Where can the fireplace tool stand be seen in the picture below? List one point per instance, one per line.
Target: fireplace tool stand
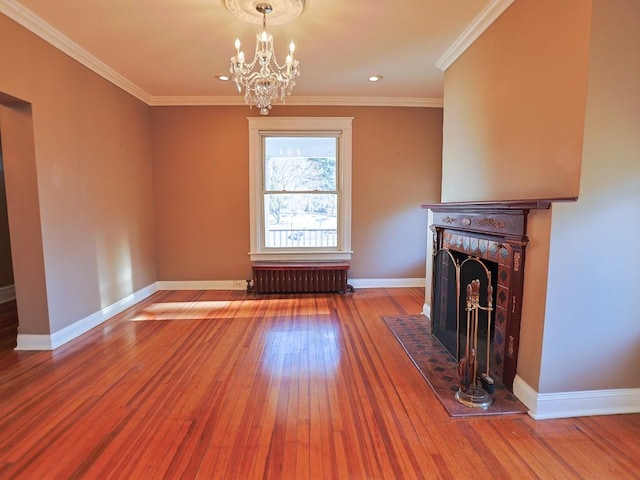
(470, 393)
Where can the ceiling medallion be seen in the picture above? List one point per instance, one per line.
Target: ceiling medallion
(283, 11)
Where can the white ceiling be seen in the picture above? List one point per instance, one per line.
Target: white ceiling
(168, 51)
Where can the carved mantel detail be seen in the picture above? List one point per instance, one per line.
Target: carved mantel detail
(490, 222)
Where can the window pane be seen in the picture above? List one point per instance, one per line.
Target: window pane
(300, 220)
(296, 164)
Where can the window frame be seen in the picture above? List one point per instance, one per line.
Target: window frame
(280, 126)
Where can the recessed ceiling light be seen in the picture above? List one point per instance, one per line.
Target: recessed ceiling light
(224, 78)
(375, 78)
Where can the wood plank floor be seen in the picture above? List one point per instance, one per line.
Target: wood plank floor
(224, 385)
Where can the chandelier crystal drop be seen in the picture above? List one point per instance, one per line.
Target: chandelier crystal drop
(269, 81)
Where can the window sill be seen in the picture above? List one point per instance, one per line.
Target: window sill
(317, 256)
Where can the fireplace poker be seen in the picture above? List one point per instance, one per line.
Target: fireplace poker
(463, 364)
(485, 378)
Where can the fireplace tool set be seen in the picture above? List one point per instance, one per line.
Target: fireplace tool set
(475, 389)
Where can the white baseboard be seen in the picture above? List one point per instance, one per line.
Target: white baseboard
(7, 293)
(426, 310)
(202, 285)
(68, 333)
(56, 339)
(386, 282)
(544, 406)
(241, 284)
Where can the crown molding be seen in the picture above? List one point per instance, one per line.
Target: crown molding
(487, 16)
(297, 100)
(368, 101)
(39, 27)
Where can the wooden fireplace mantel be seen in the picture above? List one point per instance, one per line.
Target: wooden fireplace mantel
(492, 205)
(506, 218)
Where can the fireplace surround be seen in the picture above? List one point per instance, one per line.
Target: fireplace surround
(495, 235)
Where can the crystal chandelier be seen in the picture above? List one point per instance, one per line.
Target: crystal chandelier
(270, 81)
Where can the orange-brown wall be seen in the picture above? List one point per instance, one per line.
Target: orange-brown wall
(201, 176)
(515, 103)
(90, 175)
(513, 129)
(82, 158)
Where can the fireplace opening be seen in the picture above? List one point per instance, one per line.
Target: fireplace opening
(453, 272)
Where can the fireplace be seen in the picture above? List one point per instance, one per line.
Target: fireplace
(483, 241)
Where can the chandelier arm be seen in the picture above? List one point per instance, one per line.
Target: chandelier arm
(248, 81)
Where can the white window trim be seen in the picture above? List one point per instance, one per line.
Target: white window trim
(304, 124)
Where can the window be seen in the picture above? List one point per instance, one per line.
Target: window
(300, 188)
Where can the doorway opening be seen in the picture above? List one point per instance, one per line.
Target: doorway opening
(8, 306)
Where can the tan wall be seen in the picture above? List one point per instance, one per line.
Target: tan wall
(534, 298)
(579, 325)
(93, 203)
(6, 266)
(201, 188)
(513, 129)
(594, 267)
(514, 106)
(93, 164)
(16, 121)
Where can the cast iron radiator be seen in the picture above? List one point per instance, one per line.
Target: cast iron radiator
(300, 278)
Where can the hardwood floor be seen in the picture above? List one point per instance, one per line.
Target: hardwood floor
(223, 385)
